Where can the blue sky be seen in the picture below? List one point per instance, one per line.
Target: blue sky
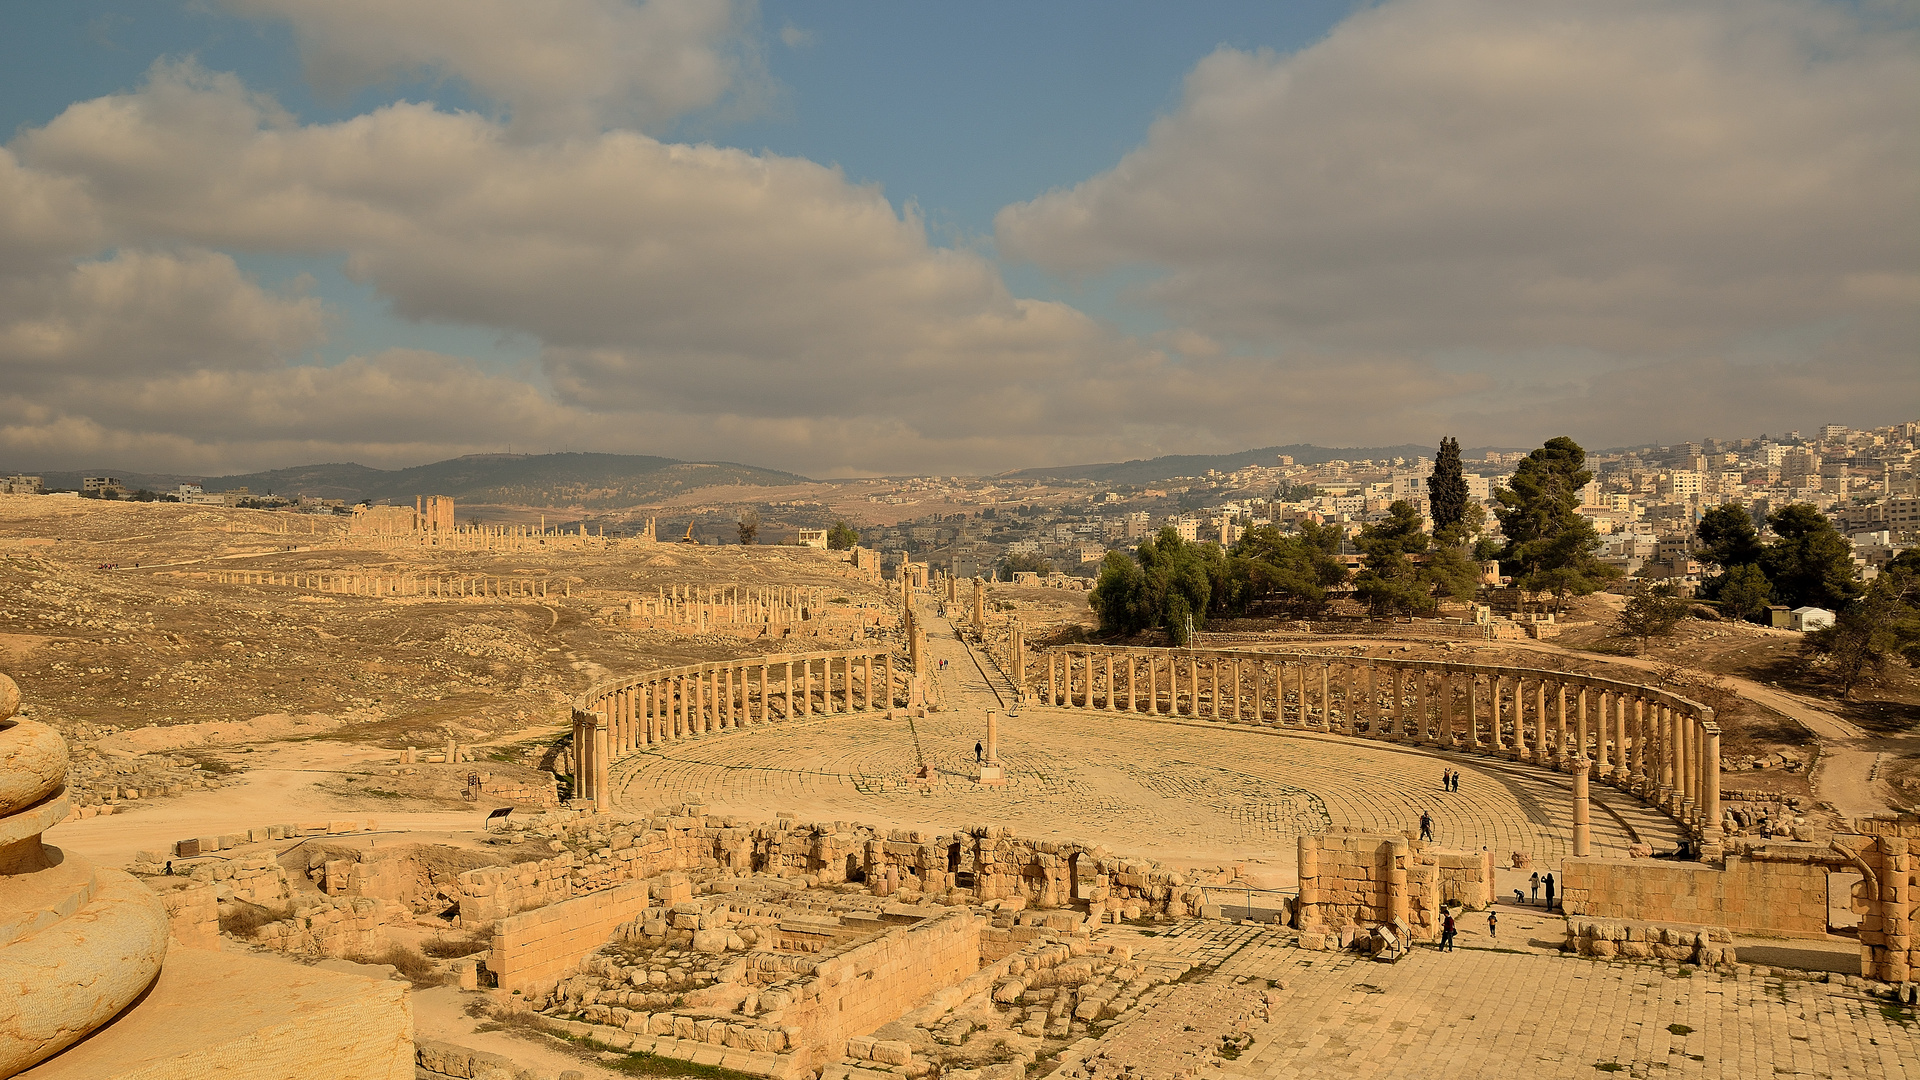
(1108, 231)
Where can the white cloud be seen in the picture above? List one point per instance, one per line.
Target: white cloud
(559, 66)
(1639, 179)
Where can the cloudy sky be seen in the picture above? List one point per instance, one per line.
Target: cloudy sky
(884, 238)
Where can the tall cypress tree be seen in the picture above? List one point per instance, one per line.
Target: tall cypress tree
(1447, 487)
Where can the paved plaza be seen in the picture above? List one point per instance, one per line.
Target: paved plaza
(1477, 1012)
(1180, 791)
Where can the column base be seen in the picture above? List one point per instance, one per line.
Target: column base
(990, 775)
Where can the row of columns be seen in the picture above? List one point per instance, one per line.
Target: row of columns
(397, 584)
(728, 604)
(1634, 737)
(681, 703)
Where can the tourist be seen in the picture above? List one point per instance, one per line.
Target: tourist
(977, 750)
(1426, 825)
(1536, 887)
(1446, 779)
(1447, 930)
(1493, 923)
(1549, 884)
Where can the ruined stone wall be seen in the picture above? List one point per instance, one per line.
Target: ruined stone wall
(336, 928)
(534, 949)
(193, 916)
(1352, 881)
(495, 892)
(1464, 876)
(1784, 893)
(854, 992)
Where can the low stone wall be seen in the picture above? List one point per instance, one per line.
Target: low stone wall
(259, 834)
(495, 892)
(1606, 939)
(336, 928)
(1779, 890)
(531, 951)
(193, 916)
(434, 1059)
(857, 991)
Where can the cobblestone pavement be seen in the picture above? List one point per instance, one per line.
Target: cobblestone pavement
(1477, 1012)
(1185, 790)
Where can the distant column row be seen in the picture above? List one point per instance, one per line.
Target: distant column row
(1637, 738)
(681, 703)
(399, 584)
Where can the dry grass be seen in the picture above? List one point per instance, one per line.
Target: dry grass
(409, 961)
(243, 919)
(445, 948)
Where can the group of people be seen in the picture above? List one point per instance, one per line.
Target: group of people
(1450, 780)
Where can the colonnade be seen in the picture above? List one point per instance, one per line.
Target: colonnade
(620, 717)
(399, 584)
(704, 605)
(1659, 745)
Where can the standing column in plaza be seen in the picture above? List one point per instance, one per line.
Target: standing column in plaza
(1213, 676)
(1710, 821)
(1112, 703)
(602, 795)
(1053, 689)
(989, 770)
(1539, 723)
(1421, 732)
(1399, 853)
(1683, 769)
(789, 689)
(1622, 773)
(1448, 735)
(867, 681)
(1308, 862)
(1089, 678)
(1603, 704)
(1237, 684)
(1560, 758)
(1666, 755)
(1133, 698)
(1473, 711)
(1153, 683)
(1326, 695)
(1500, 717)
(1582, 827)
(806, 687)
(1637, 723)
(1397, 728)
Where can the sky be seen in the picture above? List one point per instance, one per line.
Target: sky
(870, 238)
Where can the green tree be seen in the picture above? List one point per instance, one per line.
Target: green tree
(1167, 581)
(1727, 537)
(1450, 567)
(1550, 546)
(1447, 488)
(1868, 634)
(1808, 561)
(1287, 493)
(1389, 581)
(1652, 611)
(1293, 570)
(1745, 591)
(842, 536)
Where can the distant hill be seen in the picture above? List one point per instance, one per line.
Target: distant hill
(589, 481)
(1166, 468)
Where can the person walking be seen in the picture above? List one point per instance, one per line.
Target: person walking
(1447, 930)
(1456, 779)
(1536, 888)
(977, 750)
(1548, 881)
(1446, 779)
(1493, 924)
(1426, 825)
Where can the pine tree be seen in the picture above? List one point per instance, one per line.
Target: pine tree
(1447, 487)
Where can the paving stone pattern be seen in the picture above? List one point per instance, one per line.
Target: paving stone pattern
(1476, 1012)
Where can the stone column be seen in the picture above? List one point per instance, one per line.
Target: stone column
(993, 735)
(1622, 772)
(1582, 828)
(1112, 704)
(1600, 733)
(1473, 710)
(806, 687)
(1397, 728)
(1540, 722)
(1053, 689)
(1307, 913)
(1153, 683)
(1710, 821)
(868, 684)
(579, 757)
(1213, 694)
(1420, 730)
(1683, 768)
(602, 794)
(789, 691)
(1237, 685)
(1496, 685)
(1398, 853)
(1560, 758)
(1449, 735)
(1089, 678)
